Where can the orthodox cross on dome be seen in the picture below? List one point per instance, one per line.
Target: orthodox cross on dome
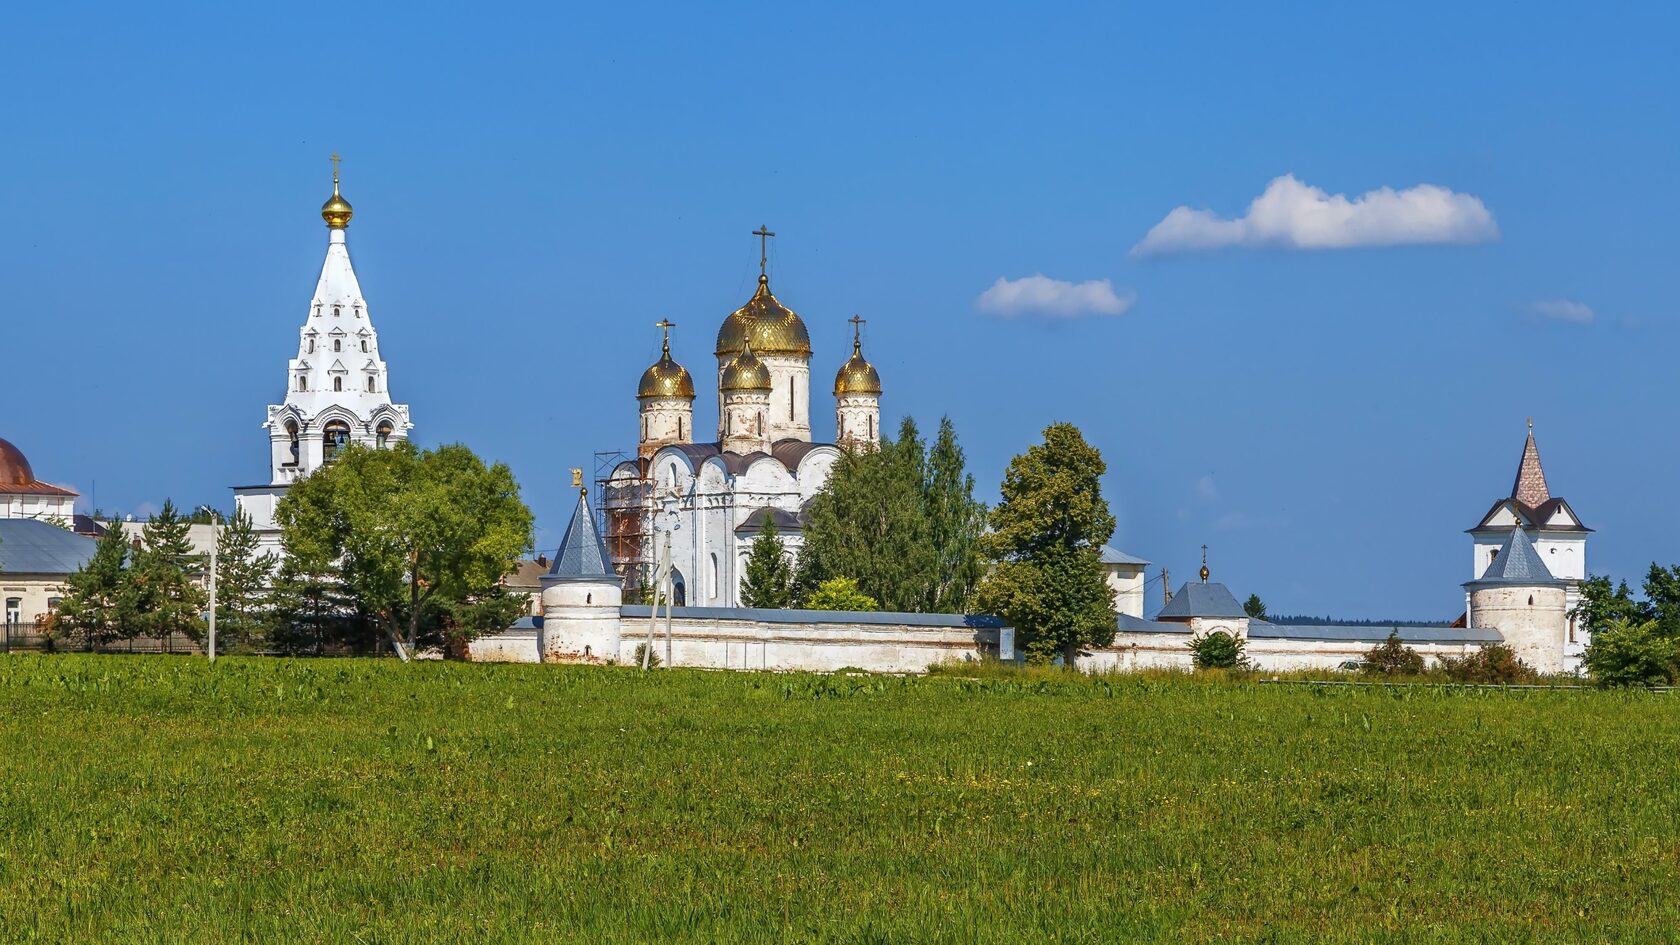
(665, 324)
(1204, 564)
(763, 233)
(335, 159)
(857, 330)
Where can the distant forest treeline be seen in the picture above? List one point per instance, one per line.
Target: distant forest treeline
(1301, 620)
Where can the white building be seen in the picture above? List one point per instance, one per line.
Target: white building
(1558, 536)
(337, 389)
(763, 466)
(24, 496)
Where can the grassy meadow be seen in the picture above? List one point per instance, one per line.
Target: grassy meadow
(157, 799)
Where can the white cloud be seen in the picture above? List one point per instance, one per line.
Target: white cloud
(1293, 215)
(1206, 488)
(1040, 295)
(1564, 310)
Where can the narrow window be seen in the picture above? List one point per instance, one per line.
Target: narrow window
(714, 575)
(370, 383)
(679, 428)
(338, 383)
(311, 346)
(302, 382)
(870, 424)
(337, 310)
(790, 403)
(1571, 629)
(364, 345)
(292, 434)
(338, 345)
(357, 309)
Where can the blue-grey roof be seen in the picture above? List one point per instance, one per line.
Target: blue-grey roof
(1517, 563)
(582, 556)
(31, 546)
(1130, 624)
(1113, 555)
(974, 621)
(1201, 600)
(1263, 629)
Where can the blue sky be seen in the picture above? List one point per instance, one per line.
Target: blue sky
(535, 186)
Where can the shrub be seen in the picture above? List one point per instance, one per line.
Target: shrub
(1218, 650)
(840, 593)
(1494, 663)
(652, 657)
(1393, 658)
(1626, 653)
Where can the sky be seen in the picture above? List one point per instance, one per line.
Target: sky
(1300, 272)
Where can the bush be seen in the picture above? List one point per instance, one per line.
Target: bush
(1494, 663)
(840, 593)
(1626, 653)
(652, 657)
(1218, 650)
(1393, 658)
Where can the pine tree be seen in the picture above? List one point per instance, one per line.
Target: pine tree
(955, 522)
(1048, 581)
(242, 578)
(167, 599)
(312, 612)
(98, 607)
(768, 582)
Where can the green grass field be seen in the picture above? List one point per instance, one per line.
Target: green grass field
(155, 799)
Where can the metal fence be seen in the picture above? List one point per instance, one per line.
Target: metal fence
(27, 638)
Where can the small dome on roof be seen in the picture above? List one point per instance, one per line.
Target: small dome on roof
(14, 466)
(666, 378)
(857, 376)
(746, 372)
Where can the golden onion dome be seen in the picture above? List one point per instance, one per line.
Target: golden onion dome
(770, 327)
(746, 372)
(857, 376)
(666, 378)
(336, 211)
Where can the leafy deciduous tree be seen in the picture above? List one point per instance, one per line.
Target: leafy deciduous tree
(1048, 582)
(840, 593)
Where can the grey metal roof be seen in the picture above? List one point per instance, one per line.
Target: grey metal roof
(785, 521)
(1517, 563)
(1263, 629)
(1113, 555)
(31, 546)
(582, 556)
(976, 621)
(1201, 600)
(1130, 624)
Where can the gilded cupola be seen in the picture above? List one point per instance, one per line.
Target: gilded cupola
(746, 372)
(336, 211)
(770, 327)
(666, 378)
(857, 376)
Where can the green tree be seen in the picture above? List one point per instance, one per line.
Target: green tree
(1633, 653)
(1493, 663)
(840, 593)
(167, 598)
(1394, 658)
(1218, 650)
(1254, 607)
(312, 612)
(98, 607)
(242, 579)
(410, 533)
(768, 582)
(1601, 605)
(955, 522)
(1048, 581)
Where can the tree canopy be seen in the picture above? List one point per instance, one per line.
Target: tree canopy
(415, 535)
(1045, 539)
(900, 521)
(768, 581)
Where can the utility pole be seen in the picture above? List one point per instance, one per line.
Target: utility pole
(215, 539)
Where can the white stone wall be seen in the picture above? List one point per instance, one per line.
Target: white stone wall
(1531, 619)
(580, 622)
(789, 409)
(857, 420)
(1126, 581)
(665, 421)
(30, 505)
(745, 422)
(1135, 651)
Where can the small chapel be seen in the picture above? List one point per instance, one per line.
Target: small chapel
(337, 386)
(698, 502)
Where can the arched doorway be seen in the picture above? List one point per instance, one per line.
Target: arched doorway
(679, 589)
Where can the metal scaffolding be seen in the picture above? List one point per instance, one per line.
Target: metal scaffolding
(625, 508)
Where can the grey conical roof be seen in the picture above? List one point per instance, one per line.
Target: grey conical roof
(1517, 563)
(582, 556)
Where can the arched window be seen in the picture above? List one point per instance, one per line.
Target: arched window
(311, 348)
(338, 383)
(303, 382)
(292, 434)
(338, 310)
(384, 432)
(869, 422)
(714, 575)
(679, 428)
(337, 434)
(357, 309)
(370, 383)
(364, 345)
(790, 403)
(338, 344)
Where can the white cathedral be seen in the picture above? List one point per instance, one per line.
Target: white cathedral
(337, 388)
(711, 498)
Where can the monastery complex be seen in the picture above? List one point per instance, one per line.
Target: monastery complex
(681, 511)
